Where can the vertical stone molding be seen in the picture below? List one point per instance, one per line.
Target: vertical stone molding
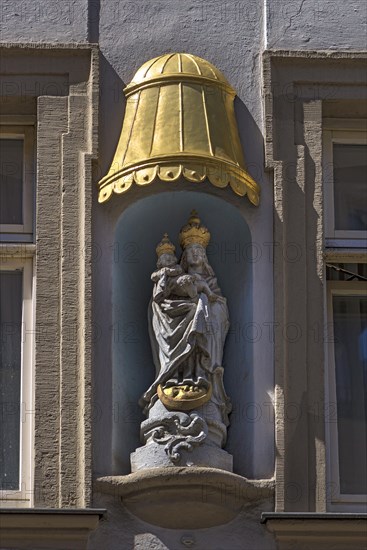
(52, 123)
(61, 83)
(297, 90)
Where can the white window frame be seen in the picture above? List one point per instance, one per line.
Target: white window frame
(336, 500)
(24, 497)
(344, 132)
(21, 232)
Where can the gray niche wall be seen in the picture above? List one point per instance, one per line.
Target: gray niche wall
(138, 231)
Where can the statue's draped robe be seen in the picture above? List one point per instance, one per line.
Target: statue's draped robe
(187, 337)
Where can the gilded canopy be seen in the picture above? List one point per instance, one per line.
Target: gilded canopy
(179, 121)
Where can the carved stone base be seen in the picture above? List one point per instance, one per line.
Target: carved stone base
(185, 498)
(177, 438)
(153, 455)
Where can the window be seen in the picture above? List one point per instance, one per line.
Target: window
(346, 412)
(16, 358)
(16, 311)
(16, 183)
(11, 293)
(345, 199)
(345, 185)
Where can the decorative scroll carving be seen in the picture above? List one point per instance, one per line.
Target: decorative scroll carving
(179, 433)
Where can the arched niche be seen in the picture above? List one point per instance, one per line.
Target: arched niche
(137, 233)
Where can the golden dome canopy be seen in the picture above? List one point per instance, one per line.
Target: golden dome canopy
(179, 122)
(172, 67)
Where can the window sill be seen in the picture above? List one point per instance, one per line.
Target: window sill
(317, 530)
(66, 529)
(344, 244)
(17, 250)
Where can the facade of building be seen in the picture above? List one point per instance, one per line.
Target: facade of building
(75, 264)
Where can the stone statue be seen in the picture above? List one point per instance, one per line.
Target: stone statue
(187, 406)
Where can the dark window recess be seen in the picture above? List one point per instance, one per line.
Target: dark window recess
(350, 187)
(11, 181)
(10, 377)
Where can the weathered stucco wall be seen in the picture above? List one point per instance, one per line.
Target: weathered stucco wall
(309, 24)
(45, 20)
(316, 24)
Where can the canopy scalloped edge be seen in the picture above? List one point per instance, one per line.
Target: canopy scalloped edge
(219, 174)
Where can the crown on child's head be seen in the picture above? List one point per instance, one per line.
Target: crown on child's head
(165, 246)
(194, 233)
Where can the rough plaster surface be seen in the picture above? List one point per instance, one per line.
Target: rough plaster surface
(311, 24)
(44, 21)
(317, 24)
(63, 466)
(47, 380)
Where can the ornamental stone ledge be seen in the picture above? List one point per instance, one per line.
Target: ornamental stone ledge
(321, 531)
(185, 498)
(45, 528)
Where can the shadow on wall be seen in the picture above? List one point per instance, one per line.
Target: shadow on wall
(252, 141)
(138, 231)
(112, 105)
(111, 113)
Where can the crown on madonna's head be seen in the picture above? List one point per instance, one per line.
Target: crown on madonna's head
(165, 246)
(194, 233)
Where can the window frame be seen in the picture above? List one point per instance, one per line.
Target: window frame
(24, 497)
(337, 500)
(22, 232)
(338, 131)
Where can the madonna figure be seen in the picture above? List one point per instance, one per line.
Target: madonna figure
(188, 323)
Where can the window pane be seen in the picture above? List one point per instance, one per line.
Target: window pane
(11, 181)
(350, 187)
(10, 369)
(350, 344)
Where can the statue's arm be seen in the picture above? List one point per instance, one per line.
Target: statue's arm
(156, 275)
(162, 288)
(214, 287)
